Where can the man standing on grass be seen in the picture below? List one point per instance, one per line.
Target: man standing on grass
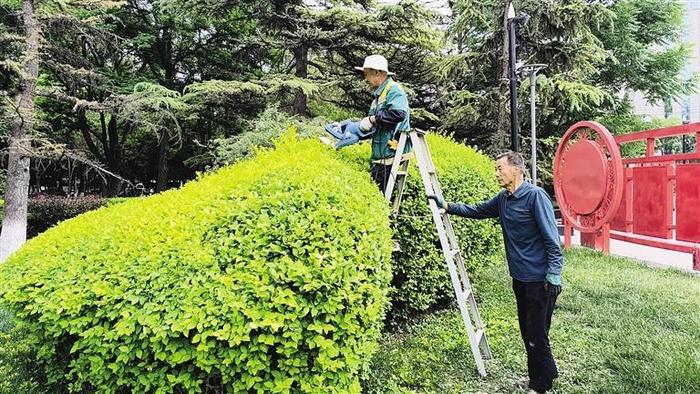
(533, 251)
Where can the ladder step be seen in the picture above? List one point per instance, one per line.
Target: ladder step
(401, 173)
(479, 335)
(466, 294)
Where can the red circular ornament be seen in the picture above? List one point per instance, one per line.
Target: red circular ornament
(588, 176)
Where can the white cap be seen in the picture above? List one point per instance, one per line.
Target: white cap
(375, 62)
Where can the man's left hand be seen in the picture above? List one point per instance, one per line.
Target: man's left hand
(552, 284)
(393, 144)
(441, 204)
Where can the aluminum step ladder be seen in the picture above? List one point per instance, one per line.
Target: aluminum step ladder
(448, 239)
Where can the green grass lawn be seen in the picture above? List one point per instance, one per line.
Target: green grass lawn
(619, 327)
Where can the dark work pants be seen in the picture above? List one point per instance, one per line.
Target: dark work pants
(535, 307)
(380, 175)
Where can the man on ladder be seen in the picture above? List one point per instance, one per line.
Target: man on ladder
(389, 115)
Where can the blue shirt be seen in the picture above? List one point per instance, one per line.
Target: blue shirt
(533, 247)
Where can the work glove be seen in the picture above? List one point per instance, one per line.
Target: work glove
(393, 144)
(438, 200)
(552, 284)
(365, 124)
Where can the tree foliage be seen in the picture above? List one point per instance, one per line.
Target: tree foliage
(595, 52)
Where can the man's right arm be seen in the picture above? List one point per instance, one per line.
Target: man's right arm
(484, 210)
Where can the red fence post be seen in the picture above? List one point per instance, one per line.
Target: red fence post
(651, 144)
(629, 218)
(567, 233)
(605, 238)
(670, 196)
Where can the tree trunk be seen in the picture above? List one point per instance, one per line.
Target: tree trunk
(113, 154)
(111, 186)
(162, 178)
(168, 64)
(301, 55)
(14, 223)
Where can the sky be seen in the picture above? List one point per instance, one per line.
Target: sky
(439, 5)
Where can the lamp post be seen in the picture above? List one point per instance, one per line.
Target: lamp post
(513, 21)
(532, 69)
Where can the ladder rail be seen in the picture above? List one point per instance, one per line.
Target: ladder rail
(458, 259)
(388, 190)
(448, 241)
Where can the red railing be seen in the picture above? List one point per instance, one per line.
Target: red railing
(660, 204)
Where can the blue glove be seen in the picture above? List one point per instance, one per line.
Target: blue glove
(552, 284)
(438, 200)
(553, 279)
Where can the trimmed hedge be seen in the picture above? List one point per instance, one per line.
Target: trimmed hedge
(421, 280)
(267, 276)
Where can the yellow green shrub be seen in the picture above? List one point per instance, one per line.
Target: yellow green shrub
(267, 276)
(420, 277)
